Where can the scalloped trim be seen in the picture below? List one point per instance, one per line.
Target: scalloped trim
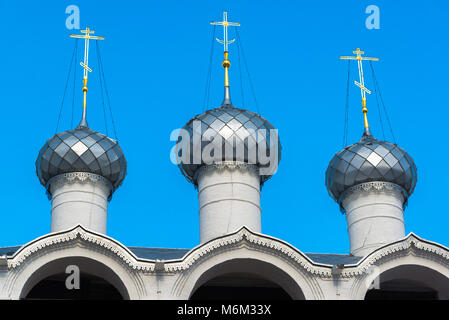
(409, 243)
(255, 240)
(80, 234)
(373, 185)
(231, 165)
(195, 256)
(72, 177)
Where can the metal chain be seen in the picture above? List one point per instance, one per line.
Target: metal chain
(247, 70)
(240, 73)
(377, 100)
(209, 73)
(345, 129)
(382, 102)
(101, 90)
(106, 90)
(66, 85)
(74, 85)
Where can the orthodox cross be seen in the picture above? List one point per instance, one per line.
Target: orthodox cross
(86, 36)
(225, 23)
(361, 84)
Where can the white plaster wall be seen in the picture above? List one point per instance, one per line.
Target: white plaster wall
(3, 279)
(426, 269)
(335, 288)
(374, 218)
(228, 199)
(428, 262)
(79, 202)
(293, 280)
(21, 279)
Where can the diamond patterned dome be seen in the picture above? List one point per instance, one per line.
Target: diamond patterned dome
(81, 150)
(370, 160)
(236, 127)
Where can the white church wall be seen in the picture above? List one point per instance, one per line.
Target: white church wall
(245, 260)
(410, 258)
(229, 198)
(374, 217)
(409, 266)
(36, 260)
(79, 202)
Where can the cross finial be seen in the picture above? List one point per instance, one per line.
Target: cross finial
(361, 84)
(225, 23)
(87, 36)
(226, 63)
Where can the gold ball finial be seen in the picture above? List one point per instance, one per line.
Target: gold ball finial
(85, 85)
(226, 62)
(364, 108)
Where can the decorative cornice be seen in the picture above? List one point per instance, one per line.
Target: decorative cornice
(79, 234)
(243, 236)
(72, 177)
(254, 240)
(221, 166)
(370, 186)
(194, 256)
(409, 243)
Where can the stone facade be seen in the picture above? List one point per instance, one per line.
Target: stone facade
(246, 251)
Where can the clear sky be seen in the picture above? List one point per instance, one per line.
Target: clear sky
(156, 57)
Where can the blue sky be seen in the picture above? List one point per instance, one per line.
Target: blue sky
(156, 57)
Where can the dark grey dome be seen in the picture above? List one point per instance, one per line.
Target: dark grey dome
(237, 127)
(81, 150)
(370, 160)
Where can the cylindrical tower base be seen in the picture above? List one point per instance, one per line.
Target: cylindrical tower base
(79, 198)
(229, 198)
(375, 216)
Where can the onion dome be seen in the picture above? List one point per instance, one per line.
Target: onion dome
(236, 135)
(237, 128)
(81, 150)
(370, 160)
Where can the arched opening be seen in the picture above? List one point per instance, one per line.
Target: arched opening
(240, 286)
(409, 282)
(56, 280)
(245, 279)
(90, 288)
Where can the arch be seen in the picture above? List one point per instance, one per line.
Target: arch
(294, 281)
(53, 260)
(87, 267)
(252, 277)
(85, 285)
(410, 282)
(407, 273)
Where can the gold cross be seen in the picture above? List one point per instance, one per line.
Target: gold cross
(87, 36)
(361, 84)
(225, 23)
